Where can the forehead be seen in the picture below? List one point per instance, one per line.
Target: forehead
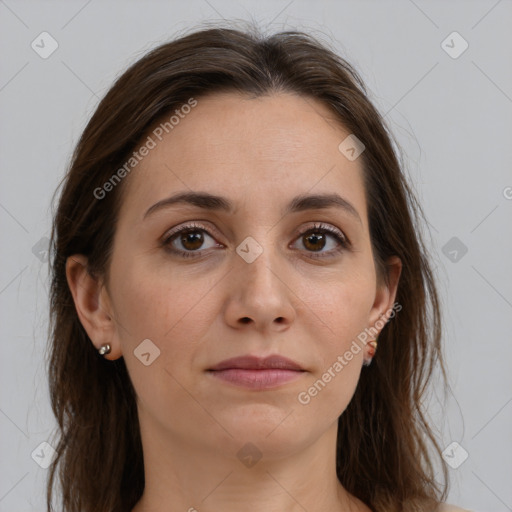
(241, 147)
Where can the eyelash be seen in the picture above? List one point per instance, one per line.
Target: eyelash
(344, 243)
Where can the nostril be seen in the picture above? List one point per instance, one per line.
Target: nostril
(245, 320)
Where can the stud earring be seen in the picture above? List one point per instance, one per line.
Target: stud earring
(371, 352)
(104, 349)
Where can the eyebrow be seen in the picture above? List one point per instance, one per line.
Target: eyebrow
(299, 203)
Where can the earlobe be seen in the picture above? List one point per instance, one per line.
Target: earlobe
(91, 304)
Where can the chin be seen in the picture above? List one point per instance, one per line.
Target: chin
(273, 430)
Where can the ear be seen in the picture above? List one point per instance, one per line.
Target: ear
(385, 294)
(92, 305)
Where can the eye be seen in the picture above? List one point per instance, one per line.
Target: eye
(190, 237)
(315, 238)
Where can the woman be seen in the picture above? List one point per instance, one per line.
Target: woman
(234, 244)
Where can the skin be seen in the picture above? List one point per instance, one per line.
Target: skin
(259, 153)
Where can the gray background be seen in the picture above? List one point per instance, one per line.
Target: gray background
(452, 117)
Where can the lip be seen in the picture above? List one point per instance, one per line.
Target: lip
(249, 362)
(257, 373)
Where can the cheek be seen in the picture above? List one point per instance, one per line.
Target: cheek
(151, 309)
(174, 311)
(343, 308)
(331, 387)
(336, 386)
(150, 305)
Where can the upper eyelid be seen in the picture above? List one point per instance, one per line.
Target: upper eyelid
(199, 225)
(188, 226)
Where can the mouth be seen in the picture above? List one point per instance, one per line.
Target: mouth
(257, 373)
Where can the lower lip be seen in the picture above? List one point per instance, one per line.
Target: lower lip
(257, 379)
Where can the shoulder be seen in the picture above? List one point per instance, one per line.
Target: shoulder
(445, 507)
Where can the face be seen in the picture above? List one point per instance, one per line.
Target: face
(264, 276)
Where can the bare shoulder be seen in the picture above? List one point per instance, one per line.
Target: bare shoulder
(445, 507)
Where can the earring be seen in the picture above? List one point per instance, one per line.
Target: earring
(104, 349)
(371, 352)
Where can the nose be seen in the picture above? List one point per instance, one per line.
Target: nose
(260, 295)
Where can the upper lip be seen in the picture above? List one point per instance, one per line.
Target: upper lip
(258, 363)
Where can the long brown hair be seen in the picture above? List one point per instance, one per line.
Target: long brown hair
(386, 451)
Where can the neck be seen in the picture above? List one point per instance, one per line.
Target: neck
(195, 479)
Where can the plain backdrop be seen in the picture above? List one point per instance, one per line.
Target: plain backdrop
(447, 98)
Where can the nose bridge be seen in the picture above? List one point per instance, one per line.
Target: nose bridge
(261, 294)
(259, 258)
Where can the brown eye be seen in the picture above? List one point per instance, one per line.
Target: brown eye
(188, 241)
(192, 241)
(315, 239)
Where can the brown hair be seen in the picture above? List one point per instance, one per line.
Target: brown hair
(386, 451)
